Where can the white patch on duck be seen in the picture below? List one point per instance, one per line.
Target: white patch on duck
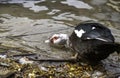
(60, 38)
(93, 28)
(98, 39)
(88, 38)
(101, 39)
(64, 36)
(79, 33)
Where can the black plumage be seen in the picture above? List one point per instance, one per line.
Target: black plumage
(93, 42)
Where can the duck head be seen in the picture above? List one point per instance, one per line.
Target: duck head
(58, 39)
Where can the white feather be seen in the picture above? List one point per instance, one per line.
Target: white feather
(79, 33)
(98, 39)
(102, 39)
(93, 28)
(60, 38)
(64, 36)
(88, 38)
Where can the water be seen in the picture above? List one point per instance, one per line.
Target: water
(34, 21)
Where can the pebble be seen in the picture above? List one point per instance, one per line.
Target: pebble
(3, 56)
(97, 74)
(25, 60)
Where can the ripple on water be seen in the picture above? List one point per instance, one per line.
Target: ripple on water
(77, 4)
(28, 4)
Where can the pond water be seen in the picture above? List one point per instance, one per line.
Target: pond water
(27, 24)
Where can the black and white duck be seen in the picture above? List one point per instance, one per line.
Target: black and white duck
(93, 42)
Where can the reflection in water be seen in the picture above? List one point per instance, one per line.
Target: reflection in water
(114, 4)
(98, 2)
(31, 5)
(54, 11)
(28, 4)
(71, 17)
(19, 1)
(77, 4)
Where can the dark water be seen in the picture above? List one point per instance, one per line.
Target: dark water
(34, 21)
(71, 11)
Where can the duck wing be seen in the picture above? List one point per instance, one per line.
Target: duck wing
(98, 34)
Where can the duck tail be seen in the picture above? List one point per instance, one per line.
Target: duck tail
(110, 47)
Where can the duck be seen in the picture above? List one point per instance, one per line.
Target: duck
(91, 41)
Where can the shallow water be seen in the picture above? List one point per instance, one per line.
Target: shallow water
(27, 24)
